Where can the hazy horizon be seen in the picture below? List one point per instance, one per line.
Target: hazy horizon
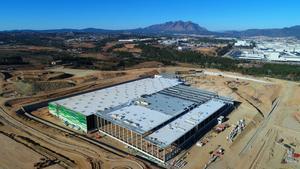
(79, 28)
(215, 15)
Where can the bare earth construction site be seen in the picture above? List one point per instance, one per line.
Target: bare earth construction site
(147, 118)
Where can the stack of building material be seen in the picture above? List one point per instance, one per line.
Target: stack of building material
(238, 128)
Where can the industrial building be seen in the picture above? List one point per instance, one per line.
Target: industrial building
(266, 49)
(158, 117)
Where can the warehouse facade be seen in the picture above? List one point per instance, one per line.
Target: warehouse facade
(158, 117)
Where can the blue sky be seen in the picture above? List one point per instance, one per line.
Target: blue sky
(123, 14)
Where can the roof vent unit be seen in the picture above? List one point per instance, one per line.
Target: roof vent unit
(190, 121)
(135, 124)
(182, 129)
(114, 116)
(127, 122)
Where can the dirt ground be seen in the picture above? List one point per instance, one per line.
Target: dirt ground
(211, 51)
(45, 142)
(150, 64)
(269, 109)
(59, 149)
(256, 146)
(27, 48)
(129, 48)
(10, 152)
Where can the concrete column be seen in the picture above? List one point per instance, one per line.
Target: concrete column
(105, 125)
(152, 149)
(123, 131)
(136, 140)
(146, 146)
(142, 147)
(127, 137)
(131, 138)
(97, 122)
(119, 131)
(101, 123)
(115, 130)
(164, 155)
(110, 128)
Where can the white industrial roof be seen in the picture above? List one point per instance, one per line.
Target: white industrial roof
(177, 128)
(138, 118)
(100, 100)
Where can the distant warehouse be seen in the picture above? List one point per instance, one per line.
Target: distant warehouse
(157, 117)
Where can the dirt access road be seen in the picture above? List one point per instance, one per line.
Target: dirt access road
(53, 144)
(57, 148)
(262, 151)
(47, 145)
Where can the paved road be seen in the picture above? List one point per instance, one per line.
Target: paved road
(235, 77)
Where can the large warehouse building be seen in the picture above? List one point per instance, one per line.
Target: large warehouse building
(157, 117)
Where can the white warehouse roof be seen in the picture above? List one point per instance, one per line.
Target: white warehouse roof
(137, 118)
(177, 128)
(100, 100)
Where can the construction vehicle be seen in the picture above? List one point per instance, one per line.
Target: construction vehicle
(218, 153)
(221, 127)
(290, 155)
(97, 136)
(221, 119)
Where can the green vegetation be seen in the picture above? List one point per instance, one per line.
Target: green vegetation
(121, 60)
(213, 40)
(123, 54)
(98, 46)
(115, 47)
(12, 60)
(24, 88)
(28, 88)
(127, 59)
(44, 56)
(222, 51)
(280, 71)
(168, 55)
(35, 39)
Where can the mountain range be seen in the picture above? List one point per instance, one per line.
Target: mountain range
(177, 27)
(181, 27)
